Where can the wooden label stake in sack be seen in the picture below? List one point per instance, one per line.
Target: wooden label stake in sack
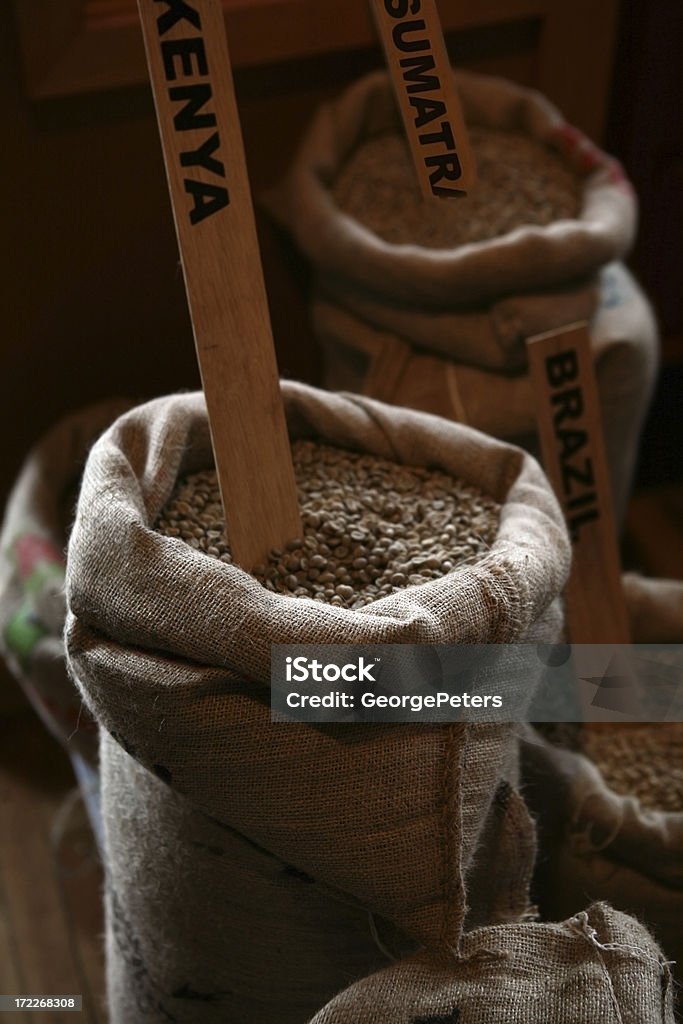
(191, 79)
(423, 81)
(572, 446)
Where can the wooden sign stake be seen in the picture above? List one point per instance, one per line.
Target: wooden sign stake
(572, 446)
(425, 89)
(191, 78)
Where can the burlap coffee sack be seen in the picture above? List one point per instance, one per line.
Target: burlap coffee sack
(529, 259)
(33, 543)
(599, 965)
(625, 342)
(598, 844)
(172, 650)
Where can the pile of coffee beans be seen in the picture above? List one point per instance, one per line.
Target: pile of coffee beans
(645, 761)
(370, 526)
(520, 181)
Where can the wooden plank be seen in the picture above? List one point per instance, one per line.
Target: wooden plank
(106, 50)
(575, 60)
(570, 432)
(207, 175)
(425, 91)
(81, 45)
(305, 24)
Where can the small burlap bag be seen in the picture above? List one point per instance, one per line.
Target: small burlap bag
(598, 966)
(33, 543)
(362, 837)
(359, 357)
(598, 844)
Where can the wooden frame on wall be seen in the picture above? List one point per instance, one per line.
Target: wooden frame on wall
(76, 46)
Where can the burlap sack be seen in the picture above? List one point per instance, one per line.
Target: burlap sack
(597, 844)
(359, 357)
(445, 330)
(598, 966)
(172, 652)
(33, 543)
(529, 259)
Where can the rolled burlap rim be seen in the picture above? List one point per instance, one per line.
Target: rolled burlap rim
(530, 257)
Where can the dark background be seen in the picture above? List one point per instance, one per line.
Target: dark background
(645, 129)
(92, 299)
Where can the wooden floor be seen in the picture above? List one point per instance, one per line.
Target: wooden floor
(50, 878)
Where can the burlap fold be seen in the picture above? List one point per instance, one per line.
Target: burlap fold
(527, 259)
(492, 338)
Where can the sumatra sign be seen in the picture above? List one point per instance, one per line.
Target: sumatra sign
(570, 432)
(425, 90)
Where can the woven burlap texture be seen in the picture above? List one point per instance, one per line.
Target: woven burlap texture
(598, 966)
(258, 938)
